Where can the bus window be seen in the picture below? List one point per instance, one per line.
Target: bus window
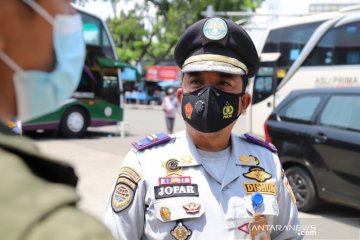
(264, 83)
(289, 41)
(339, 46)
(105, 39)
(91, 27)
(96, 38)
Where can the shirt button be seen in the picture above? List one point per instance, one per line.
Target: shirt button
(230, 224)
(225, 189)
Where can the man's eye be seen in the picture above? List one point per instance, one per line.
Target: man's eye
(225, 84)
(195, 81)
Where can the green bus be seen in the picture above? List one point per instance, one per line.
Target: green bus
(98, 100)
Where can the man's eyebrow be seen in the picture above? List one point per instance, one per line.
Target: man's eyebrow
(226, 76)
(194, 74)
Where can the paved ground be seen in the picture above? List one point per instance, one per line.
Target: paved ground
(98, 157)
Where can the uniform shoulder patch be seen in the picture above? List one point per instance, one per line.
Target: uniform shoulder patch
(151, 141)
(125, 189)
(122, 197)
(259, 141)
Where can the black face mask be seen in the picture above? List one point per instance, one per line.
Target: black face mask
(209, 109)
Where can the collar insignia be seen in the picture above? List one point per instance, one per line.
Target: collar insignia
(247, 159)
(186, 159)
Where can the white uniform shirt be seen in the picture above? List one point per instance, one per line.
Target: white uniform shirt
(151, 206)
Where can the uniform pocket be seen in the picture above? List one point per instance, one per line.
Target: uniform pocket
(268, 207)
(172, 209)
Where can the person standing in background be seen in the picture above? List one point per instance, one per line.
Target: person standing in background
(169, 106)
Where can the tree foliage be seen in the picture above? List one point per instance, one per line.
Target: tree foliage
(143, 36)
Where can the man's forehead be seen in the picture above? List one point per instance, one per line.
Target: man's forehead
(217, 74)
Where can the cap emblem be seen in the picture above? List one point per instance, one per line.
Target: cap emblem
(215, 29)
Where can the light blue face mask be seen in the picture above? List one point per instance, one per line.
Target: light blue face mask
(39, 92)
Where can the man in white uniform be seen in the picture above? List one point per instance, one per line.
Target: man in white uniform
(205, 182)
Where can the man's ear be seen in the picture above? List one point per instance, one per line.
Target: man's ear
(179, 95)
(245, 102)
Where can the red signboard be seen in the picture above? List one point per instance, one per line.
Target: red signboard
(162, 73)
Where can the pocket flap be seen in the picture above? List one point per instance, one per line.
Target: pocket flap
(171, 209)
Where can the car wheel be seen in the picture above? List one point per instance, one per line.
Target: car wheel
(303, 188)
(74, 122)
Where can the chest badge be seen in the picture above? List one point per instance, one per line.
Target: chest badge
(257, 173)
(192, 208)
(248, 159)
(172, 167)
(165, 213)
(180, 232)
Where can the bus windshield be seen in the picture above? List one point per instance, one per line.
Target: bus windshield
(287, 43)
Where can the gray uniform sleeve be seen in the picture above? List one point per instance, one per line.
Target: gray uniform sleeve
(287, 220)
(125, 210)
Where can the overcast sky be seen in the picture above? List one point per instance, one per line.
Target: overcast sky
(104, 10)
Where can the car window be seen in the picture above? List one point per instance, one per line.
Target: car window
(342, 112)
(302, 108)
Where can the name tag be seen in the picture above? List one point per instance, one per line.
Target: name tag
(266, 188)
(176, 190)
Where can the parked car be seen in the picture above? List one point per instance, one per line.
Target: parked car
(317, 133)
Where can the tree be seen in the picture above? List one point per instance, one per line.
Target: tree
(141, 36)
(174, 16)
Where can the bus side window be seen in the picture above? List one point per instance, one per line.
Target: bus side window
(264, 84)
(339, 46)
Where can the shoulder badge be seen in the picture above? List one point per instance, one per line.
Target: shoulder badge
(151, 141)
(125, 189)
(259, 141)
(123, 196)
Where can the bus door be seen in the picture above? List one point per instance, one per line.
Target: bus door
(264, 87)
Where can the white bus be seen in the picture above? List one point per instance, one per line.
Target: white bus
(316, 51)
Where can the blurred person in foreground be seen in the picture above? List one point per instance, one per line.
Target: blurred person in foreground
(205, 182)
(41, 57)
(170, 106)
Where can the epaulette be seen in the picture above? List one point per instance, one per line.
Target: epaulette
(259, 141)
(150, 141)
